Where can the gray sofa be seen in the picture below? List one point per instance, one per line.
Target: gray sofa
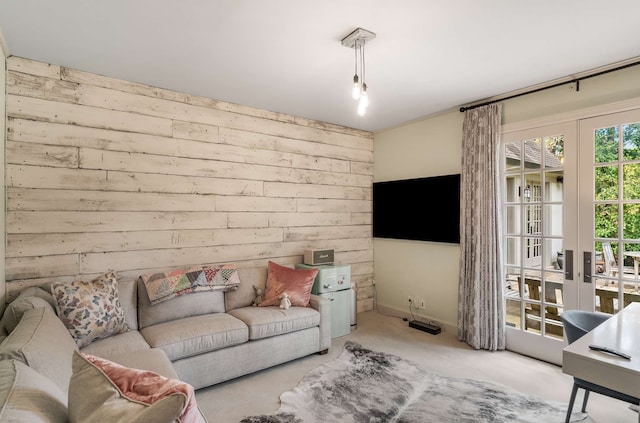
(200, 338)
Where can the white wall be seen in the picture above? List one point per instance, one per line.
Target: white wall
(608, 88)
(425, 270)
(432, 146)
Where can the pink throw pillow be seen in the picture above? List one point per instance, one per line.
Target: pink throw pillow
(295, 282)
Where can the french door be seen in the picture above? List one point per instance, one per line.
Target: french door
(610, 211)
(539, 226)
(571, 224)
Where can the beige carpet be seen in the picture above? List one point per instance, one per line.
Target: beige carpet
(259, 393)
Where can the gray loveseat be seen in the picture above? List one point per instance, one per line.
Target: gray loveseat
(200, 338)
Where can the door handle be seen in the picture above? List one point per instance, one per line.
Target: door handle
(586, 265)
(568, 265)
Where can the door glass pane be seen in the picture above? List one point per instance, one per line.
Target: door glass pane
(512, 283)
(599, 259)
(631, 144)
(630, 178)
(553, 186)
(513, 318)
(606, 220)
(553, 292)
(513, 220)
(533, 219)
(532, 251)
(632, 262)
(606, 183)
(512, 189)
(606, 287)
(606, 300)
(531, 188)
(512, 251)
(553, 220)
(554, 253)
(554, 151)
(533, 153)
(512, 155)
(606, 144)
(631, 282)
(631, 216)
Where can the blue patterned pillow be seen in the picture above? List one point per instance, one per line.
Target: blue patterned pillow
(90, 310)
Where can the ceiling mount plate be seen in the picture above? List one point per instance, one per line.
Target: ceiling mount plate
(359, 36)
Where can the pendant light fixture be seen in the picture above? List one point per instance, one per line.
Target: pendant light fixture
(356, 40)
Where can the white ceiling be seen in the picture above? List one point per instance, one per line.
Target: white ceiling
(285, 55)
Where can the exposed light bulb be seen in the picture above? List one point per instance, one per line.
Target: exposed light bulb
(364, 97)
(356, 90)
(364, 101)
(361, 109)
(356, 40)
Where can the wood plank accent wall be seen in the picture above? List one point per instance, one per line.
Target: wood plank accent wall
(3, 85)
(104, 174)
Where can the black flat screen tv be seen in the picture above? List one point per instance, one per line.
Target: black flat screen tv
(421, 209)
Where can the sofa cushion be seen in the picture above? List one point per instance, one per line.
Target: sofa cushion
(194, 304)
(103, 391)
(90, 310)
(28, 396)
(295, 282)
(122, 343)
(196, 335)
(43, 343)
(264, 322)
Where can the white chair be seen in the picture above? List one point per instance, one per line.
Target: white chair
(611, 264)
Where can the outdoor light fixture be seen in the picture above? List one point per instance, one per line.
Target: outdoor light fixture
(356, 40)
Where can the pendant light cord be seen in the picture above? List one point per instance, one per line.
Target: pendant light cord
(362, 65)
(355, 52)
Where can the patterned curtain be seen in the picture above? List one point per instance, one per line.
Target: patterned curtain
(480, 296)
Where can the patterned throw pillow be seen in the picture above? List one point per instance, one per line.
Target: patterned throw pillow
(90, 310)
(295, 282)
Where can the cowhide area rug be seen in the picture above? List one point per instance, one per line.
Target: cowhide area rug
(365, 386)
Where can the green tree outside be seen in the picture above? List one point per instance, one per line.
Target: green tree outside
(615, 158)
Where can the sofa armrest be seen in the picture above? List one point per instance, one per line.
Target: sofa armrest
(323, 305)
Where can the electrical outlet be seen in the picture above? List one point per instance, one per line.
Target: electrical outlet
(422, 303)
(411, 301)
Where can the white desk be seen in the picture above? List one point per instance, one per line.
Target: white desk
(621, 332)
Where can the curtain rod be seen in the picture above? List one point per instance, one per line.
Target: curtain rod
(574, 80)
